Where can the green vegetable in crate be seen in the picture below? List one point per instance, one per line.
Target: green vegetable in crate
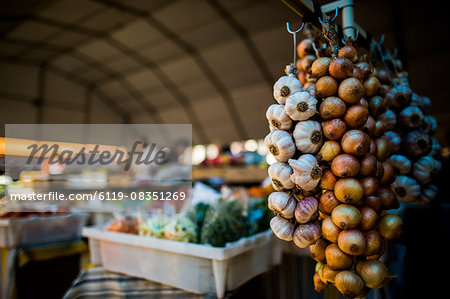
(197, 215)
(224, 223)
(153, 227)
(258, 217)
(180, 228)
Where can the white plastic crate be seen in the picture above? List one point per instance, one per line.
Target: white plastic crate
(196, 268)
(37, 230)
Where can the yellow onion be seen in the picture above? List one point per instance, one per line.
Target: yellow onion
(305, 63)
(388, 199)
(371, 86)
(333, 129)
(348, 190)
(374, 273)
(357, 73)
(302, 77)
(369, 126)
(383, 76)
(337, 259)
(365, 68)
(388, 173)
(329, 274)
(341, 68)
(317, 250)
(351, 90)
(319, 285)
(328, 180)
(374, 243)
(368, 165)
(390, 226)
(374, 202)
(349, 284)
(369, 218)
(332, 107)
(328, 202)
(346, 216)
(383, 149)
(376, 106)
(380, 128)
(329, 230)
(356, 116)
(372, 147)
(349, 52)
(319, 67)
(352, 241)
(307, 234)
(355, 142)
(329, 150)
(370, 185)
(326, 86)
(305, 47)
(345, 165)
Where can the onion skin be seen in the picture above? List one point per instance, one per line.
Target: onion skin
(383, 151)
(371, 86)
(369, 218)
(380, 128)
(368, 165)
(317, 250)
(349, 284)
(329, 230)
(374, 273)
(369, 126)
(328, 180)
(370, 186)
(329, 274)
(302, 77)
(373, 147)
(374, 202)
(388, 174)
(320, 66)
(351, 90)
(337, 259)
(319, 285)
(328, 202)
(390, 226)
(365, 68)
(352, 241)
(355, 142)
(348, 190)
(345, 165)
(356, 116)
(374, 243)
(388, 198)
(329, 150)
(332, 107)
(326, 86)
(333, 129)
(346, 216)
(341, 68)
(305, 48)
(376, 106)
(348, 52)
(378, 255)
(357, 73)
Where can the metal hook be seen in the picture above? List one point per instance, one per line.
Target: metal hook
(315, 49)
(335, 15)
(294, 34)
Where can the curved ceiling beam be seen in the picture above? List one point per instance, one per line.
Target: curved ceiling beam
(144, 61)
(194, 54)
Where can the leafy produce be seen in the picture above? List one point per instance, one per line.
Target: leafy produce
(180, 228)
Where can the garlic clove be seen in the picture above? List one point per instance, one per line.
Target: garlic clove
(308, 136)
(282, 204)
(280, 145)
(280, 174)
(282, 228)
(307, 172)
(277, 117)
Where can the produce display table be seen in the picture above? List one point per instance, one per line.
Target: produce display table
(13, 259)
(100, 283)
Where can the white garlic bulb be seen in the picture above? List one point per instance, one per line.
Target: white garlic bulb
(400, 163)
(308, 136)
(282, 228)
(277, 117)
(280, 174)
(307, 172)
(425, 168)
(283, 204)
(284, 87)
(394, 139)
(280, 145)
(406, 189)
(301, 105)
(389, 119)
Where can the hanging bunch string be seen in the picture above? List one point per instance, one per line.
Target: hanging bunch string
(329, 30)
(383, 59)
(294, 37)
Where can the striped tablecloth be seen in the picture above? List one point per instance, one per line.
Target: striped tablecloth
(99, 283)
